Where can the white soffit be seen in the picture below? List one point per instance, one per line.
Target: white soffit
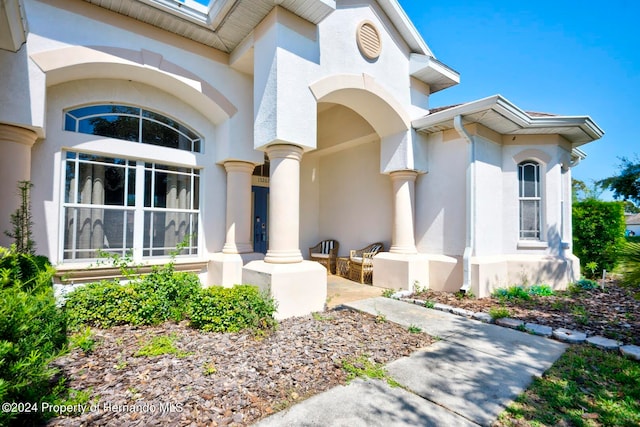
(502, 116)
(222, 25)
(433, 72)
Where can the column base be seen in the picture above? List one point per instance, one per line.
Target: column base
(401, 271)
(283, 257)
(299, 288)
(226, 269)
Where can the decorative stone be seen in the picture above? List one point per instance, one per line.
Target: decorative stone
(509, 322)
(604, 343)
(409, 300)
(443, 307)
(401, 294)
(632, 351)
(535, 329)
(462, 312)
(570, 336)
(483, 317)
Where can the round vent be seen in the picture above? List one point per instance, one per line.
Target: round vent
(368, 39)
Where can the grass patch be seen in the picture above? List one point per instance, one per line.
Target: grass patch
(413, 329)
(499, 312)
(161, 345)
(363, 367)
(585, 387)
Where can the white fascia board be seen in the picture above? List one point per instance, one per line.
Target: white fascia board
(404, 25)
(433, 72)
(510, 112)
(218, 11)
(578, 154)
(585, 123)
(448, 114)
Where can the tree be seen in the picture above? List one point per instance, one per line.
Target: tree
(581, 191)
(22, 221)
(625, 185)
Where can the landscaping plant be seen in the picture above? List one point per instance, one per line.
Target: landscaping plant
(598, 234)
(32, 334)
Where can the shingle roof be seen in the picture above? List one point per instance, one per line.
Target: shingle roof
(633, 219)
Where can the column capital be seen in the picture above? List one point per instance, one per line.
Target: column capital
(239, 166)
(9, 133)
(284, 151)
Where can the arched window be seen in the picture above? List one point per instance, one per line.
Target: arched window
(132, 124)
(530, 200)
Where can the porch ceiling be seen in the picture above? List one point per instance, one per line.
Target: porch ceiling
(500, 115)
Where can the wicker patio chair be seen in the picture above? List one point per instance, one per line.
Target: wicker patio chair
(325, 253)
(361, 262)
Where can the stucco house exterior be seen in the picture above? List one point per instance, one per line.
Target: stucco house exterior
(252, 129)
(632, 224)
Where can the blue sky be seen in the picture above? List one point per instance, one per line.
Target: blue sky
(563, 57)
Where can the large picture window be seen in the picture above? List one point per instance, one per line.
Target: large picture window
(530, 200)
(132, 124)
(117, 205)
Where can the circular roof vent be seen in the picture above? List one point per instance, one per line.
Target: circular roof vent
(368, 39)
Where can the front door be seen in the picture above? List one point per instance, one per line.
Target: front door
(260, 209)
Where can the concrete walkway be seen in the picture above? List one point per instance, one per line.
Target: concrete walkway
(465, 379)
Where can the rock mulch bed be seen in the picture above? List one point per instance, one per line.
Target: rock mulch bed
(605, 317)
(224, 379)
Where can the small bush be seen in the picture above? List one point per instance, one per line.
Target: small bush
(583, 285)
(541, 290)
(499, 313)
(513, 292)
(149, 300)
(218, 309)
(32, 334)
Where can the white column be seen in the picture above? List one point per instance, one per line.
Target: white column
(15, 166)
(238, 239)
(284, 204)
(403, 235)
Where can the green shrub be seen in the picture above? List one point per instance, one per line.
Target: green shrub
(540, 290)
(598, 233)
(23, 268)
(219, 309)
(513, 292)
(148, 300)
(583, 285)
(32, 334)
(499, 312)
(630, 267)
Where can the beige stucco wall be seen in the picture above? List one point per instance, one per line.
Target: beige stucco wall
(440, 198)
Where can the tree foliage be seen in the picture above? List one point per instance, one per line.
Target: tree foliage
(598, 233)
(626, 184)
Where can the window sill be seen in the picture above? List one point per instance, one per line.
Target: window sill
(532, 244)
(89, 272)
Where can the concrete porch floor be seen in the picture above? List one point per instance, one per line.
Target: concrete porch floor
(341, 291)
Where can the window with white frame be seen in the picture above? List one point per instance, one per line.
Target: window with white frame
(116, 205)
(132, 124)
(530, 200)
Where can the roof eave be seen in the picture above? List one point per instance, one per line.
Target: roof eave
(508, 111)
(432, 72)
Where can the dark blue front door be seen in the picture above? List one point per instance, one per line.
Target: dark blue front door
(260, 209)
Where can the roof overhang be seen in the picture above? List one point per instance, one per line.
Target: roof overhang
(505, 118)
(223, 25)
(13, 27)
(433, 72)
